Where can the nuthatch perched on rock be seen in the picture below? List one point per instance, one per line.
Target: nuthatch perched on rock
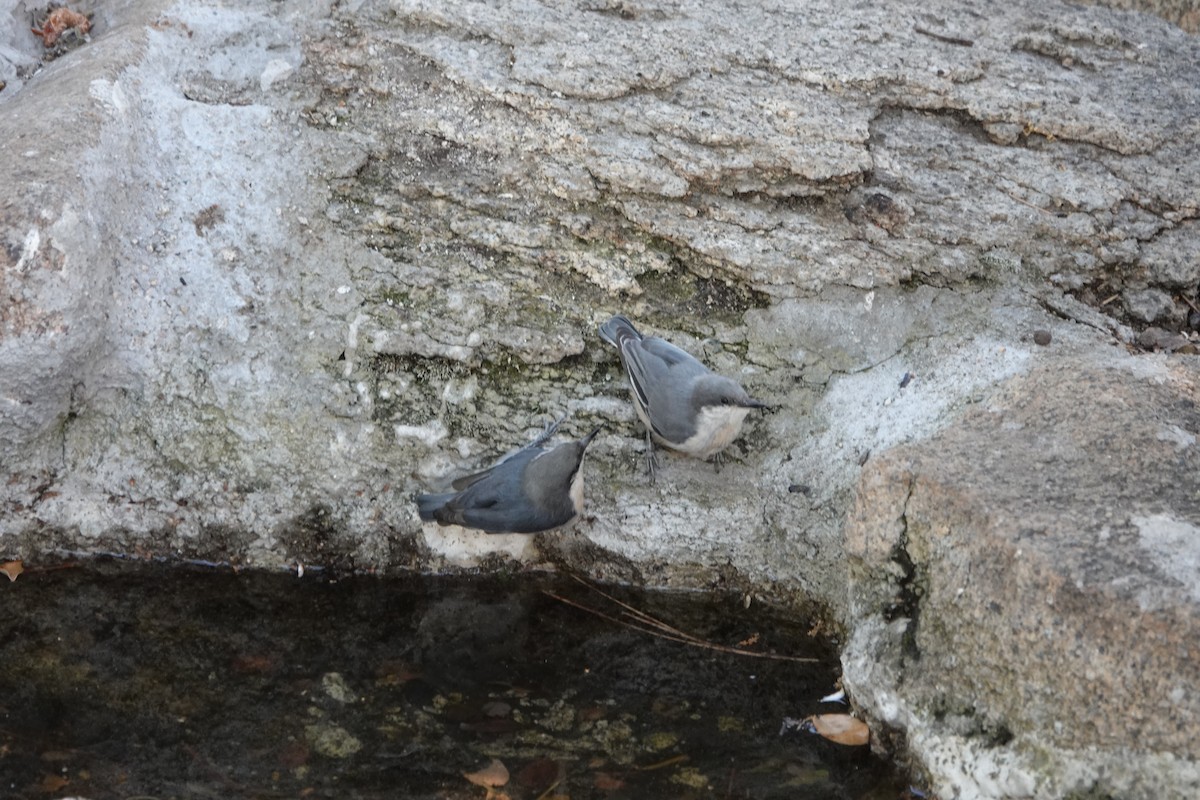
(684, 405)
(532, 490)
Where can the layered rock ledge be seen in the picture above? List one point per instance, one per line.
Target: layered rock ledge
(268, 270)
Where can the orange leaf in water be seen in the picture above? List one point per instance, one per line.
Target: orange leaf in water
(607, 781)
(12, 569)
(52, 783)
(493, 775)
(252, 663)
(396, 673)
(841, 728)
(592, 713)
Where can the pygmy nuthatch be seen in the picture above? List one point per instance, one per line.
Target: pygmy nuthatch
(684, 405)
(531, 490)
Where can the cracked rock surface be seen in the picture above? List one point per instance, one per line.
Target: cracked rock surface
(1049, 609)
(268, 270)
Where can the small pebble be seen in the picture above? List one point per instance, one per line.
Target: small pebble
(879, 203)
(1194, 320)
(1149, 338)
(1041, 337)
(497, 708)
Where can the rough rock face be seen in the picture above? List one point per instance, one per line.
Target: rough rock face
(1047, 615)
(270, 269)
(1184, 13)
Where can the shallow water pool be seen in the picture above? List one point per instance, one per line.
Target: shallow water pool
(130, 680)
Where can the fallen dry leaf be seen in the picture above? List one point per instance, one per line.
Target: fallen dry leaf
(252, 663)
(396, 673)
(12, 569)
(52, 783)
(750, 640)
(841, 728)
(673, 760)
(592, 713)
(59, 21)
(493, 775)
(607, 781)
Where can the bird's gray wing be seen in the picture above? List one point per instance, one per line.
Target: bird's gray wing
(493, 485)
(504, 519)
(672, 355)
(487, 493)
(467, 481)
(651, 360)
(428, 505)
(640, 372)
(659, 373)
(493, 501)
(529, 450)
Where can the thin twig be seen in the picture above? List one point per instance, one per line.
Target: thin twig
(1012, 196)
(660, 764)
(550, 789)
(1071, 308)
(659, 628)
(638, 614)
(943, 38)
(594, 611)
(669, 637)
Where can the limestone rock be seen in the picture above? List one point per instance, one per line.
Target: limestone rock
(270, 269)
(1027, 583)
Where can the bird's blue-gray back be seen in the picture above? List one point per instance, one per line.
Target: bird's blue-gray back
(662, 375)
(485, 499)
(531, 490)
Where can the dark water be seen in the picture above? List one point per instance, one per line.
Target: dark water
(120, 680)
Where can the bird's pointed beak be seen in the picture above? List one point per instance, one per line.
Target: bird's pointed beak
(585, 441)
(752, 403)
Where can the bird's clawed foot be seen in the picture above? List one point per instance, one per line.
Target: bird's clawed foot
(651, 459)
(724, 458)
(550, 430)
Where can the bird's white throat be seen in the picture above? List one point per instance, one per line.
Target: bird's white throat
(577, 489)
(716, 427)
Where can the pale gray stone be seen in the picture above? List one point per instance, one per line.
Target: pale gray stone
(270, 269)
(1046, 614)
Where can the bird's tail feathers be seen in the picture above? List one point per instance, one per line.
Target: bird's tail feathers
(549, 431)
(618, 328)
(429, 504)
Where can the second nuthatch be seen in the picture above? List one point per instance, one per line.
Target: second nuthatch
(684, 405)
(532, 490)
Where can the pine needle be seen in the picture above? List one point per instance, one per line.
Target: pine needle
(639, 620)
